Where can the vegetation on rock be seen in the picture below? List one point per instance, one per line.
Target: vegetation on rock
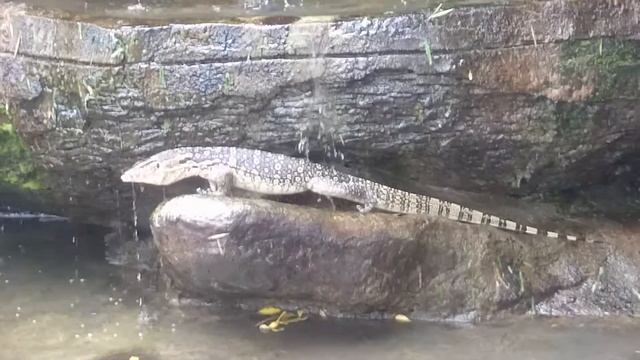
(16, 166)
(613, 66)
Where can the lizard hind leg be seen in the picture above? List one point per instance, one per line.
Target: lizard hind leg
(330, 199)
(367, 207)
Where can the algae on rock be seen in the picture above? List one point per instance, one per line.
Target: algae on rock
(16, 167)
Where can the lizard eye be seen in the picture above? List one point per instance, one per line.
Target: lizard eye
(158, 165)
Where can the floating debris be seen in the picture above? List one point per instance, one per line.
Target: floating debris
(276, 324)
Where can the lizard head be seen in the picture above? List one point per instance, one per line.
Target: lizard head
(164, 168)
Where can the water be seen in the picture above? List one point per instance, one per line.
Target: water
(48, 313)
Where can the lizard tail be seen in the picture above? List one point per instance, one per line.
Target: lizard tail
(409, 203)
(463, 214)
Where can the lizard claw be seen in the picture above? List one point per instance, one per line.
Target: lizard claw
(210, 191)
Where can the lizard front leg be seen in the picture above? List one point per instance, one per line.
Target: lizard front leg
(220, 180)
(368, 204)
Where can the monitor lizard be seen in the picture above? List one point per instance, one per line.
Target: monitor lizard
(276, 174)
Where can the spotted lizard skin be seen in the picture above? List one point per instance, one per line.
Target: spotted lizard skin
(276, 174)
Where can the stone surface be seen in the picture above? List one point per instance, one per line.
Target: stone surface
(256, 251)
(524, 99)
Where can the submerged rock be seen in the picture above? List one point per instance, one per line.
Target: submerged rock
(257, 251)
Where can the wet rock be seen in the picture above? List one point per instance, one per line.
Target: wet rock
(523, 99)
(256, 251)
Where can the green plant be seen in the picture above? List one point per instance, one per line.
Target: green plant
(16, 166)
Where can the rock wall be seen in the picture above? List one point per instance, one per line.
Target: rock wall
(522, 99)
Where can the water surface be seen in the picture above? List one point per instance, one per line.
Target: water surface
(59, 299)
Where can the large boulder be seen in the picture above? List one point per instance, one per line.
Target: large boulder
(258, 252)
(522, 98)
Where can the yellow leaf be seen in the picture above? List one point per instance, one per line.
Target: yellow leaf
(269, 311)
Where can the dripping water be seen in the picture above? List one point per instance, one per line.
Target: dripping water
(322, 127)
(136, 239)
(135, 217)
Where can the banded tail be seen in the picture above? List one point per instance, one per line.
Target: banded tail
(395, 200)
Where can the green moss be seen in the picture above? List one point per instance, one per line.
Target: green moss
(4, 111)
(572, 118)
(614, 64)
(16, 166)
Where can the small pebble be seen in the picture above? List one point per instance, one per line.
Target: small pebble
(402, 318)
